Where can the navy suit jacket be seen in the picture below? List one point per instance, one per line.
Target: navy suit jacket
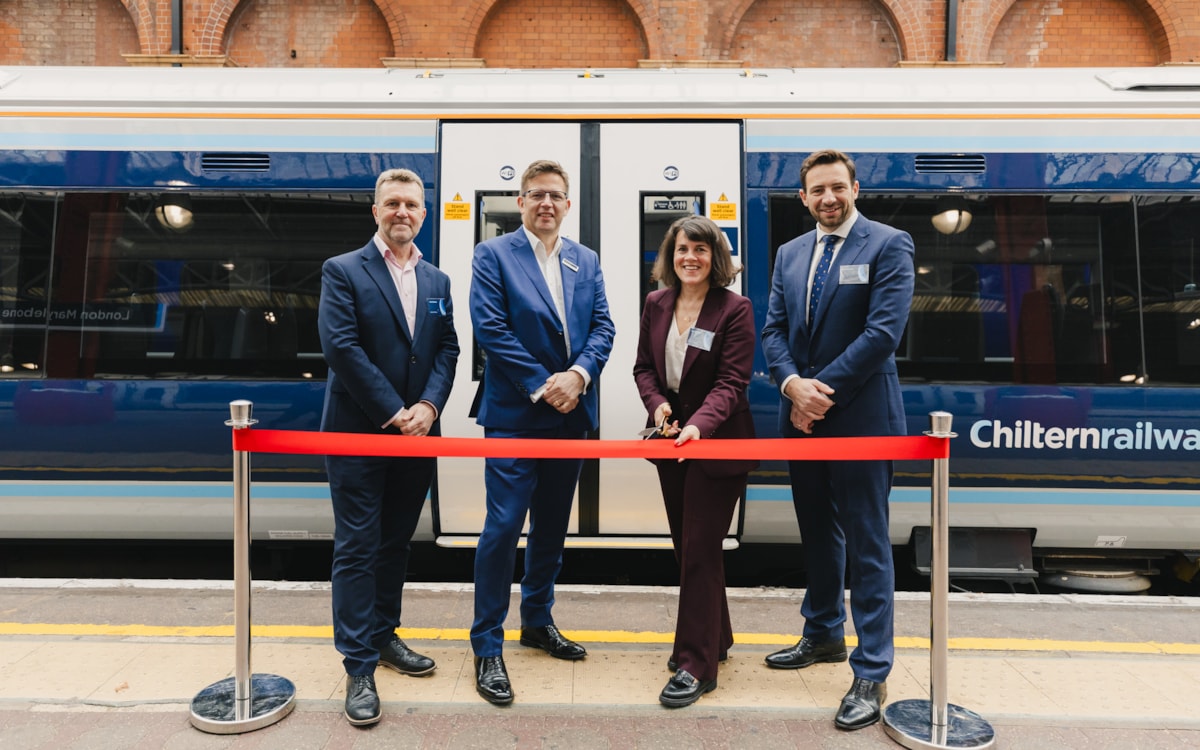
(712, 386)
(851, 342)
(519, 330)
(376, 367)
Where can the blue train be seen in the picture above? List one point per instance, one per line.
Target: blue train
(162, 233)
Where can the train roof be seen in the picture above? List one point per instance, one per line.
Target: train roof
(638, 91)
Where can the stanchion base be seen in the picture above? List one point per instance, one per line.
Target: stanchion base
(272, 698)
(910, 722)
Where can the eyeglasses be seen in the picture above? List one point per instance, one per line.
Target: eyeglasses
(537, 196)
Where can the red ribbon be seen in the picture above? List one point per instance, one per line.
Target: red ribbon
(764, 449)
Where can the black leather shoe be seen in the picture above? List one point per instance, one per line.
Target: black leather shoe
(860, 707)
(491, 680)
(362, 700)
(673, 666)
(396, 655)
(684, 690)
(548, 639)
(807, 653)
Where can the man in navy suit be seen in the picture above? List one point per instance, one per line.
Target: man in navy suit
(541, 317)
(839, 303)
(387, 332)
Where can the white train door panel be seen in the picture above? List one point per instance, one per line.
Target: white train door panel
(480, 177)
(628, 182)
(650, 174)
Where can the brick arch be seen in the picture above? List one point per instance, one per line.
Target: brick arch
(609, 33)
(903, 24)
(475, 13)
(1164, 18)
(1046, 32)
(149, 40)
(397, 22)
(210, 35)
(996, 11)
(34, 33)
(317, 33)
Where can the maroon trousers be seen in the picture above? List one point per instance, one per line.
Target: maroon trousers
(699, 510)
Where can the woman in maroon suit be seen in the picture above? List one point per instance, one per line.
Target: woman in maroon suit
(695, 354)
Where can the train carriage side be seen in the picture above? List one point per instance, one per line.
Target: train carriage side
(160, 255)
(1056, 313)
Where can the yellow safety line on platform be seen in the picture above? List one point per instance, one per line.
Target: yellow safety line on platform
(324, 632)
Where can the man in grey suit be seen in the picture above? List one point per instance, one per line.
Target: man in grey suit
(387, 331)
(839, 303)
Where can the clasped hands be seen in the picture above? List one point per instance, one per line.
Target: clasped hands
(415, 421)
(672, 429)
(810, 401)
(563, 390)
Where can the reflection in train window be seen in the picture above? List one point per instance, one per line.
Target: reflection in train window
(26, 239)
(231, 290)
(1088, 289)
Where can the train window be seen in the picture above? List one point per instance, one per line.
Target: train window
(1082, 288)
(498, 215)
(1168, 227)
(657, 214)
(26, 242)
(128, 292)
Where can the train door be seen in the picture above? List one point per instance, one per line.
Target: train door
(650, 175)
(480, 176)
(628, 182)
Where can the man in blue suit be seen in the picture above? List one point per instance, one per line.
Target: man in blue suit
(541, 317)
(387, 331)
(839, 303)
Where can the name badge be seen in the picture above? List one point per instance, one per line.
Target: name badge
(700, 338)
(570, 265)
(437, 306)
(854, 274)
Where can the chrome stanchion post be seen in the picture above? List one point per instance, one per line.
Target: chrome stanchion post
(246, 701)
(936, 723)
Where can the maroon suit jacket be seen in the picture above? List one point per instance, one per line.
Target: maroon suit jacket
(712, 389)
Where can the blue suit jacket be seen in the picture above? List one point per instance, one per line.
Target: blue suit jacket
(516, 325)
(376, 367)
(850, 344)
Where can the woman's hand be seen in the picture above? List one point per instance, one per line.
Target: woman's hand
(662, 413)
(690, 432)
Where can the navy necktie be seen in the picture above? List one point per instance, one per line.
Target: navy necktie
(820, 275)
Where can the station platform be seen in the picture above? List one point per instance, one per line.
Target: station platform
(115, 664)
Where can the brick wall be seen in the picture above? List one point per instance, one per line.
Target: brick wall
(1074, 33)
(839, 34)
(557, 34)
(65, 32)
(308, 34)
(603, 33)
